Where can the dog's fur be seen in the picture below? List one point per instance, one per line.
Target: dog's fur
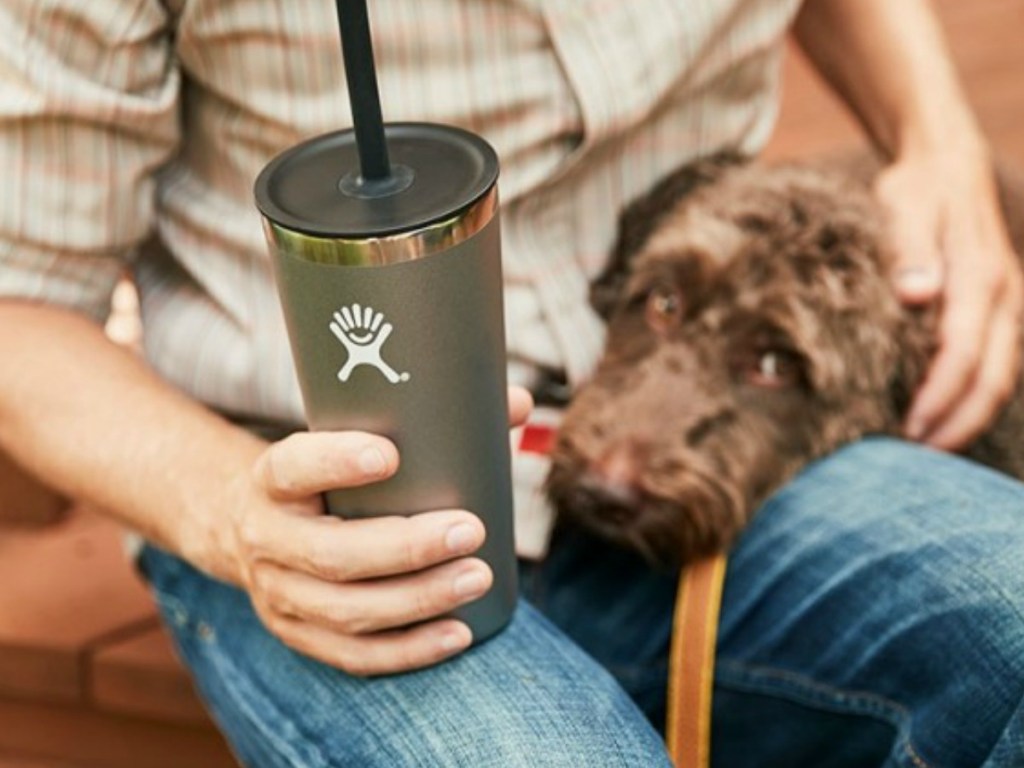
(752, 327)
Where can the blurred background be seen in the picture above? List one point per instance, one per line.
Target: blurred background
(87, 677)
(985, 36)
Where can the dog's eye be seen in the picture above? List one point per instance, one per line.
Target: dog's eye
(664, 308)
(774, 368)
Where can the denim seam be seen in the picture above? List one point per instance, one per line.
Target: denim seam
(803, 690)
(915, 758)
(234, 681)
(181, 617)
(175, 606)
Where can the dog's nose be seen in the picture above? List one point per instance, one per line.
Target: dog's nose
(615, 473)
(620, 464)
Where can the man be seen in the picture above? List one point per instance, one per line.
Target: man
(872, 614)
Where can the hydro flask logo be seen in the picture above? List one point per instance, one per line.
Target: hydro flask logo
(362, 332)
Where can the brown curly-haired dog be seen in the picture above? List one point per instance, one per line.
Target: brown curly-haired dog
(752, 327)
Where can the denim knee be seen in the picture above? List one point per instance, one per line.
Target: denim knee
(888, 581)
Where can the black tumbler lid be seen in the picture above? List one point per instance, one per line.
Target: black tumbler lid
(301, 188)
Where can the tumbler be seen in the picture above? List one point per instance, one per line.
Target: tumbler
(392, 296)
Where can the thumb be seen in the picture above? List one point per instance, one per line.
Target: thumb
(918, 283)
(918, 271)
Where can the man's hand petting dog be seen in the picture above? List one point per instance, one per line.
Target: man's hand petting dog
(345, 592)
(952, 247)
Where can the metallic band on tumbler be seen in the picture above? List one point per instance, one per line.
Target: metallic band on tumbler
(388, 249)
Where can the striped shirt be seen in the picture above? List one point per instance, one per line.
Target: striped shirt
(131, 132)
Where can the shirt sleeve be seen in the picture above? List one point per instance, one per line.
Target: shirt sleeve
(89, 97)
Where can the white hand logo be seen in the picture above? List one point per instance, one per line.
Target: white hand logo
(360, 331)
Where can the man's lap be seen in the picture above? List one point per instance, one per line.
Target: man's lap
(883, 580)
(528, 697)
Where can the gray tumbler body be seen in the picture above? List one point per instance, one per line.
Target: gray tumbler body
(442, 399)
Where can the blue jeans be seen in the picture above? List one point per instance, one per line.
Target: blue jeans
(873, 615)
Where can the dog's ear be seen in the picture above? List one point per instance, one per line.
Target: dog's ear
(641, 218)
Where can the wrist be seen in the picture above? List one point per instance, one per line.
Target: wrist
(206, 535)
(951, 141)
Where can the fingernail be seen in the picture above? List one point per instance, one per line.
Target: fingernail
(918, 278)
(372, 462)
(460, 538)
(454, 640)
(471, 584)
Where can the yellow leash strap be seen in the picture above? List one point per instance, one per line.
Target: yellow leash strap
(692, 663)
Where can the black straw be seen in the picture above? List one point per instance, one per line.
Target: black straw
(361, 75)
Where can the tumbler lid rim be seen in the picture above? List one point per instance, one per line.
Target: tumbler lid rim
(300, 190)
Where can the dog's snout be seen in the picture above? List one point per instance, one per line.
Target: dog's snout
(621, 464)
(614, 476)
